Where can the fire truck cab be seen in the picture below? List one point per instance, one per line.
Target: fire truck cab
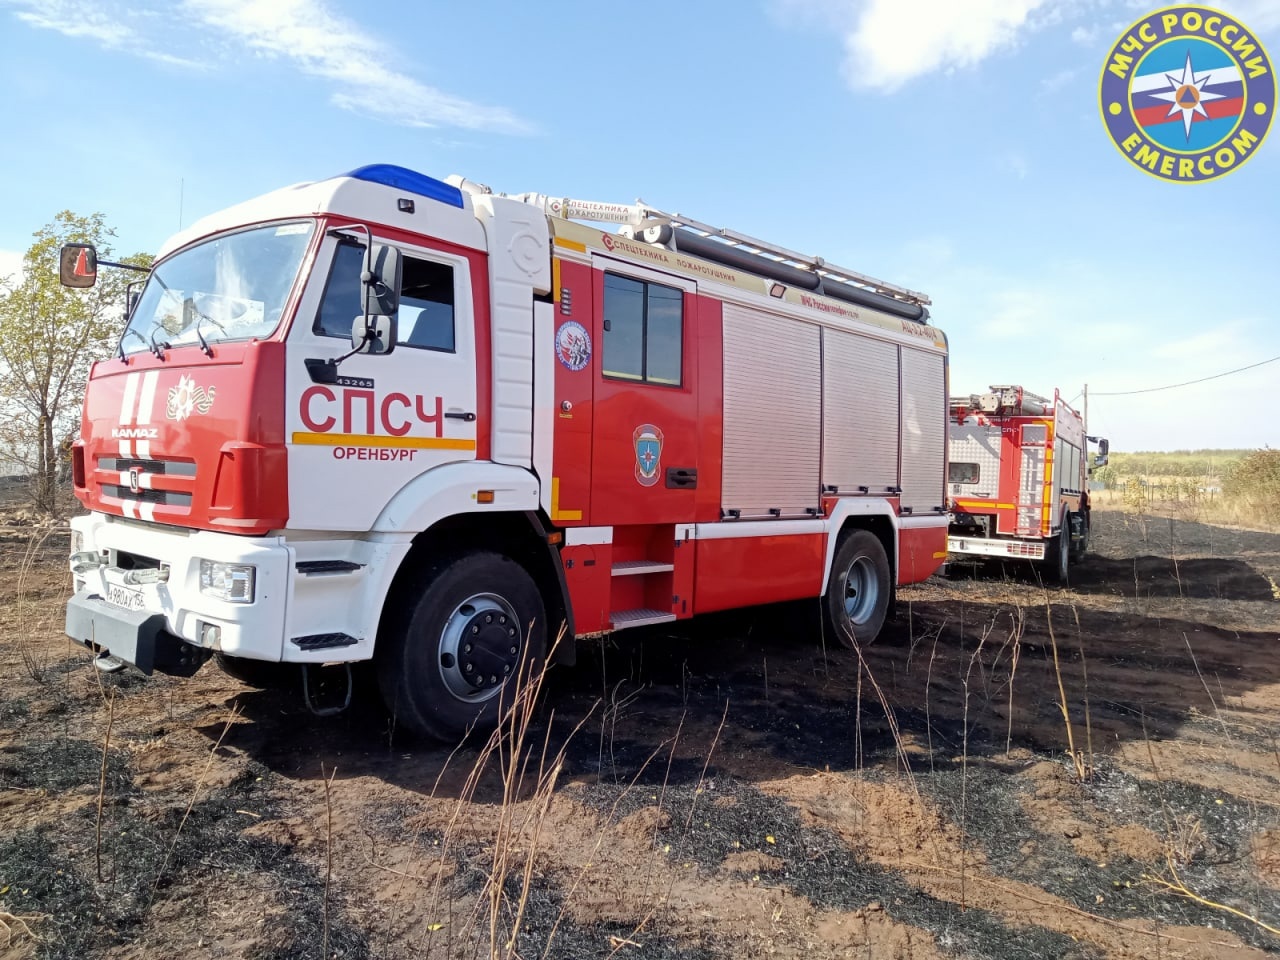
(387, 417)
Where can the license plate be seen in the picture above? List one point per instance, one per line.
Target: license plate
(124, 597)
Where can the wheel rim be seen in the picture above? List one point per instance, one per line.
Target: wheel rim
(861, 591)
(480, 647)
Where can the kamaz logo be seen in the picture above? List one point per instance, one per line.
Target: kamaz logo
(135, 433)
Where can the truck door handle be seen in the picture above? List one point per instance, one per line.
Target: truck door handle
(458, 415)
(685, 478)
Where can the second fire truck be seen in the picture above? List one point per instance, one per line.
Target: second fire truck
(1017, 478)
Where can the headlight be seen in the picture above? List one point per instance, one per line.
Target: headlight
(77, 541)
(232, 582)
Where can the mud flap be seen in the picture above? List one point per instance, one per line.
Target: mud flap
(137, 637)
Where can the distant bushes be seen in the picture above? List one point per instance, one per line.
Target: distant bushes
(1177, 463)
(1254, 481)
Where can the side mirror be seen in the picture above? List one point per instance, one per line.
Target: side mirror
(373, 334)
(1104, 448)
(382, 282)
(132, 294)
(78, 266)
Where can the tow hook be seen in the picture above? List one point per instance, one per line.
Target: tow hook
(316, 704)
(106, 663)
(87, 561)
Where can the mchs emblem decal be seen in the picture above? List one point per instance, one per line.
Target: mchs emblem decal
(1187, 94)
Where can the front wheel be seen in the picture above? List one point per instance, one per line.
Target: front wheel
(1080, 547)
(858, 592)
(459, 638)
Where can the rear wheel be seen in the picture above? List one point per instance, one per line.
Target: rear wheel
(1057, 556)
(456, 640)
(858, 592)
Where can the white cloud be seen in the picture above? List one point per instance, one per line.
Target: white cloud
(304, 33)
(889, 43)
(86, 20)
(330, 47)
(77, 20)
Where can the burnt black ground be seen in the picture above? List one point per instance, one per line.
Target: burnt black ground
(754, 693)
(150, 852)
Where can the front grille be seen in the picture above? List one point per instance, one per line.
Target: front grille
(168, 468)
(145, 480)
(168, 498)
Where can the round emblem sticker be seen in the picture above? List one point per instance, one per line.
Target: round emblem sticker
(1187, 94)
(573, 345)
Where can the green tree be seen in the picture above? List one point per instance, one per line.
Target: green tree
(49, 338)
(1255, 482)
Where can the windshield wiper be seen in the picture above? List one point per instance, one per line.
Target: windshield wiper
(128, 333)
(159, 348)
(189, 308)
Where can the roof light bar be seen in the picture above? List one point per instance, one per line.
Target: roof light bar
(389, 175)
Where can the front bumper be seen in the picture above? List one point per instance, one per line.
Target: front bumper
(315, 600)
(992, 547)
(127, 618)
(135, 636)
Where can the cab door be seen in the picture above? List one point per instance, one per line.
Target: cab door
(644, 459)
(354, 443)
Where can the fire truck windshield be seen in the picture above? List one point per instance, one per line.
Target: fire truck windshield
(231, 287)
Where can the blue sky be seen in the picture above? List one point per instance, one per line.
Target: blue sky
(952, 146)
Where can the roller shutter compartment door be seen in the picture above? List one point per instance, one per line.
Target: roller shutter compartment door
(860, 412)
(772, 414)
(924, 426)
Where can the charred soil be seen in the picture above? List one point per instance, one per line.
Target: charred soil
(1015, 770)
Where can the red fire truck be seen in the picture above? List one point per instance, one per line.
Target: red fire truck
(1018, 478)
(387, 417)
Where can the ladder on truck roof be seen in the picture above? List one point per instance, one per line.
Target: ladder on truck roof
(1009, 400)
(676, 231)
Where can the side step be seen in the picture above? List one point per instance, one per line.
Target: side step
(622, 619)
(631, 568)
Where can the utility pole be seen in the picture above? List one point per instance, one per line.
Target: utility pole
(1086, 408)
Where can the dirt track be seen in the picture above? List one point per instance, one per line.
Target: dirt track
(734, 790)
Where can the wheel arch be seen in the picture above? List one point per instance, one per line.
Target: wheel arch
(878, 517)
(522, 536)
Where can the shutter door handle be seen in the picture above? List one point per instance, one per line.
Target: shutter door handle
(458, 415)
(682, 478)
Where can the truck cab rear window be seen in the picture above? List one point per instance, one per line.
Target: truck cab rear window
(426, 317)
(643, 331)
(962, 472)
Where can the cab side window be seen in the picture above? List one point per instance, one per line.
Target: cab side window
(426, 317)
(426, 305)
(643, 331)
